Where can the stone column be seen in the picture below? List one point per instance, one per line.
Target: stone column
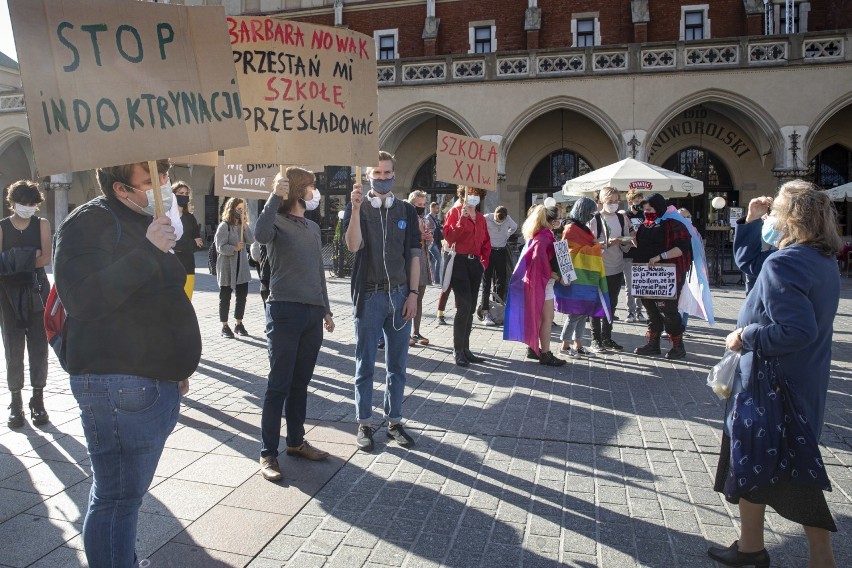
(60, 184)
(641, 16)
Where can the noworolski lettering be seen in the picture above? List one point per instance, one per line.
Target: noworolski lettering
(145, 111)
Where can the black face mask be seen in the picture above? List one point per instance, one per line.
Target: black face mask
(182, 200)
(421, 211)
(637, 208)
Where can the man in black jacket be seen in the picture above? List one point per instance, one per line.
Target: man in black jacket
(132, 342)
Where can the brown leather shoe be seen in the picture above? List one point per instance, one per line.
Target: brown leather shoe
(307, 451)
(269, 468)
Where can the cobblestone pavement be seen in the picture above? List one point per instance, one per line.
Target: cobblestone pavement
(607, 461)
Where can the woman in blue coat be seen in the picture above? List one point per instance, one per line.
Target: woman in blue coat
(788, 316)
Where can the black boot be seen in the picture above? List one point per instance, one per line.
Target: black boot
(470, 356)
(16, 416)
(461, 360)
(37, 412)
(652, 347)
(678, 351)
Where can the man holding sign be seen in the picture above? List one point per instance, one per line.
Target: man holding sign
(384, 232)
(662, 239)
(132, 342)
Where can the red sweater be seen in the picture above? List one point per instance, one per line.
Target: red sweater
(469, 236)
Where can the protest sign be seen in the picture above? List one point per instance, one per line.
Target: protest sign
(246, 181)
(466, 161)
(659, 281)
(109, 83)
(309, 92)
(563, 257)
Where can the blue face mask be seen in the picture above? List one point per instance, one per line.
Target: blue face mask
(381, 186)
(770, 234)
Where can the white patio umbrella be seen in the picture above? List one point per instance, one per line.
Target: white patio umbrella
(634, 174)
(841, 192)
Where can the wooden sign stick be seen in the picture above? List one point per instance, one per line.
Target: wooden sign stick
(155, 184)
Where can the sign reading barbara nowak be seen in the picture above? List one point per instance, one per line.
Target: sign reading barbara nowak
(466, 161)
(110, 83)
(658, 281)
(309, 92)
(247, 181)
(563, 257)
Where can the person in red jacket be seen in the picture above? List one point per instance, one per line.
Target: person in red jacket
(466, 228)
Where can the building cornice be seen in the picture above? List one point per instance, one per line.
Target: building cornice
(348, 8)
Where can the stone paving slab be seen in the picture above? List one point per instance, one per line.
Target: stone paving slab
(605, 462)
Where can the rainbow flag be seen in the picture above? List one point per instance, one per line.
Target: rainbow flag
(588, 294)
(525, 300)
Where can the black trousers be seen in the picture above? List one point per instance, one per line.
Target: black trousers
(467, 275)
(225, 301)
(496, 273)
(601, 328)
(663, 314)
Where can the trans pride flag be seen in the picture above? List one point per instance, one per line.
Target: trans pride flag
(588, 294)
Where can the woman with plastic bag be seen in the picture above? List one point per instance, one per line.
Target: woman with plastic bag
(784, 333)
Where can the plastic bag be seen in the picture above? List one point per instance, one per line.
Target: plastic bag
(721, 377)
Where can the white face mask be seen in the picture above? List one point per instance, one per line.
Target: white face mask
(314, 201)
(472, 200)
(610, 207)
(165, 191)
(25, 211)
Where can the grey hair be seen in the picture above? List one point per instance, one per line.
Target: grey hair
(584, 209)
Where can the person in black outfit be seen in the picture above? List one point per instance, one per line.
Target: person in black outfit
(190, 241)
(25, 250)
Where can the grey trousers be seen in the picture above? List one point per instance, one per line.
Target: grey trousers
(574, 328)
(14, 340)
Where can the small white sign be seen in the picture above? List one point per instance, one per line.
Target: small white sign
(563, 257)
(658, 281)
(734, 214)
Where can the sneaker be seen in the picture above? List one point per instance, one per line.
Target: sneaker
(597, 347)
(547, 358)
(640, 317)
(615, 318)
(398, 433)
(570, 352)
(531, 354)
(226, 332)
(489, 321)
(364, 439)
(420, 339)
(583, 351)
(307, 451)
(630, 318)
(610, 344)
(269, 468)
(240, 330)
(441, 320)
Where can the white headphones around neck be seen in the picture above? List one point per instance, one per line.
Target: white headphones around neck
(377, 202)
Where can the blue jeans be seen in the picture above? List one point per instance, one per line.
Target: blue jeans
(293, 338)
(684, 318)
(382, 313)
(126, 420)
(435, 251)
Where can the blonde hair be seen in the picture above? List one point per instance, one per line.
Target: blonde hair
(417, 194)
(807, 217)
(633, 195)
(607, 192)
(539, 217)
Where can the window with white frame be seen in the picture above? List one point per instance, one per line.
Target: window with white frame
(694, 23)
(482, 37)
(585, 28)
(800, 17)
(386, 44)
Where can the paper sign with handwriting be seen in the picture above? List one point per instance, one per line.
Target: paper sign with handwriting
(246, 181)
(658, 281)
(309, 92)
(109, 83)
(466, 161)
(563, 257)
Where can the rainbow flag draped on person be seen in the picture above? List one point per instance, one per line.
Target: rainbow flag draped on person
(525, 300)
(588, 294)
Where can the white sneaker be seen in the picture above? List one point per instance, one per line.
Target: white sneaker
(630, 318)
(570, 352)
(489, 321)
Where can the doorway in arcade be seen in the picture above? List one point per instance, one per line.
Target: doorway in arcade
(706, 166)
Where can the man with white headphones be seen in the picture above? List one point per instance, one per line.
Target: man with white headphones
(385, 235)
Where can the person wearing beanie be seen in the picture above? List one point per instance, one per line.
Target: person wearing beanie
(662, 239)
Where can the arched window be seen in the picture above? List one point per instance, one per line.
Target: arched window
(831, 167)
(552, 172)
(706, 166)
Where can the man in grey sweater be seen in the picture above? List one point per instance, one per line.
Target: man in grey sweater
(296, 311)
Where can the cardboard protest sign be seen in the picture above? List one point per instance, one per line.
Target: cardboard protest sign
(659, 281)
(463, 160)
(246, 181)
(110, 83)
(309, 92)
(563, 257)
